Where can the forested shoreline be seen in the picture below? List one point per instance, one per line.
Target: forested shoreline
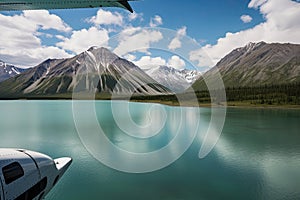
(283, 94)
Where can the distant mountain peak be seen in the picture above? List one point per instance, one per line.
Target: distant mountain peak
(167, 68)
(174, 79)
(249, 47)
(101, 56)
(93, 48)
(100, 49)
(255, 43)
(8, 71)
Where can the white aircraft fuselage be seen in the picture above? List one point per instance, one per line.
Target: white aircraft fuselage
(7, 5)
(28, 175)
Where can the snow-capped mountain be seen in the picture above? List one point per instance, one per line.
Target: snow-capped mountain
(7, 71)
(175, 80)
(97, 69)
(191, 75)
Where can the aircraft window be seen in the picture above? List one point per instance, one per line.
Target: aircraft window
(34, 191)
(12, 172)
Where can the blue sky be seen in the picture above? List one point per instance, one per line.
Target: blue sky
(206, 20)
(27, 38)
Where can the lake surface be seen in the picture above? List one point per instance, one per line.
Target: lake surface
(256, 157)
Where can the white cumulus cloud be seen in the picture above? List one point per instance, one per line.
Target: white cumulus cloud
(46, 20)
(147, 62)
(130, 57)
(83, 39)
(156, 21)
(246, 18)
(176, 62)
(136, 39)
(281, 25)
(176, 42)
(201, 56)
(107, 18)
(135, 16)
(20, 42)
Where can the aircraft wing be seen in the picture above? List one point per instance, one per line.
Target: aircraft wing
(7, 5)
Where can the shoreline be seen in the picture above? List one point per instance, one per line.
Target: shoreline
(175, 104)
(229, 105)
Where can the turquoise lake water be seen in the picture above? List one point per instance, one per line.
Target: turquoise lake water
(256, 157)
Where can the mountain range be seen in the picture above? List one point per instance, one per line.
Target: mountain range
(100, 70)
(7, 71)
(96, 69)
(257, 64)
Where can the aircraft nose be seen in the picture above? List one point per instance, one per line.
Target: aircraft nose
(62, 164)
